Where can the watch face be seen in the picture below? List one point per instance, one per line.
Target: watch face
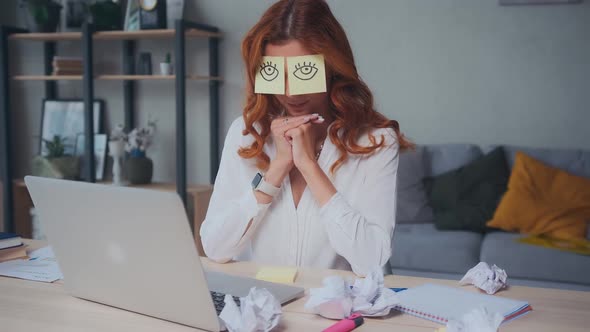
(256, 180)
(148, 4)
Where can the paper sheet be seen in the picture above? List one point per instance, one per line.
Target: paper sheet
(45, 253)
(270, 77)
(283, 275)
(306, 74)
(478, 319)
(42, 266)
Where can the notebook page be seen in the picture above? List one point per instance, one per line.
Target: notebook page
(453, 303)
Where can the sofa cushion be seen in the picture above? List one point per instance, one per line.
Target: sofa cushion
(441, 158)
(412, 203)
(423, 247)
(544, 200)
(533, 262)
(576, 162)
(466, 198)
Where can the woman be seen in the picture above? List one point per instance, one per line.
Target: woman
(323, 165)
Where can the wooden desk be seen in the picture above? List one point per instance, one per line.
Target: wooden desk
(33, 306)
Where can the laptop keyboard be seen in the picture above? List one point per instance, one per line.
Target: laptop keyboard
(218, 301)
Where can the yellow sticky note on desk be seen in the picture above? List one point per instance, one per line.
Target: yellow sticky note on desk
(283, 275)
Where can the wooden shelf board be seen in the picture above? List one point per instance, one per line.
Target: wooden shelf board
(47, 77)
(112, 35)
(155, 186)
(135, 77)
(156, 77)
(166, 186)
(46, 36)
(113, 77)
(145, 34)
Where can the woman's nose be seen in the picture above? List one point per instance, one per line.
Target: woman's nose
(287, 87)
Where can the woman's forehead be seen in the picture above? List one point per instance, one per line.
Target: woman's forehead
(290, 48)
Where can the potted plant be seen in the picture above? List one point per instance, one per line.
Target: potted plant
(56, 164)
(138, 168)
(106, 15)
(41, 15)
(166, 66)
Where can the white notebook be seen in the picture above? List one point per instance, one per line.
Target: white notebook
(441, 303)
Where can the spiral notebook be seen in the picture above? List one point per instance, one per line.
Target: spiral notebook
(441, 304)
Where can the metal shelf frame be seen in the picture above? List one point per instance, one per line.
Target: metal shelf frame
(183, 29)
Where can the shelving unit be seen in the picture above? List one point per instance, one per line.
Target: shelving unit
(182, 30)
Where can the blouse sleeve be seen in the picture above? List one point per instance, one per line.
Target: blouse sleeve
(233, 203)
(362, 234)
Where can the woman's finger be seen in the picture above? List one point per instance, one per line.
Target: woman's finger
(289, 123)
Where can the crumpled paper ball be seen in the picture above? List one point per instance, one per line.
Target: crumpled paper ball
(489, 279)
(338, 298)
(258, 311)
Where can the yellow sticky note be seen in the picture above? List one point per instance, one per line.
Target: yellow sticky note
(270, 77)
(284, 275)
(441, 329)
(306, 74)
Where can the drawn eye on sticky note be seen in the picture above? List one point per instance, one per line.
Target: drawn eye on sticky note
(270, 77)
(306, 74)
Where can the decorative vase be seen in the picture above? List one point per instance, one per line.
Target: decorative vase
(139, 169)
(144, 65)
(165, 68)
(117, 151)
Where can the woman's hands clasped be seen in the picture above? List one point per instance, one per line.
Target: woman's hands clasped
(295, 141)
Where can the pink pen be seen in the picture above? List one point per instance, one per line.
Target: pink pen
(347, 324)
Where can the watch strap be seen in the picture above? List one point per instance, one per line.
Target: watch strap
(267, 188)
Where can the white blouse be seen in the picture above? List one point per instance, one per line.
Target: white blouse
(352, 231)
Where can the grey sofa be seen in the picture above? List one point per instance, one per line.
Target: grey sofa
(419, 249)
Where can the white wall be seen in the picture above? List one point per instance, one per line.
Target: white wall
(447, 70)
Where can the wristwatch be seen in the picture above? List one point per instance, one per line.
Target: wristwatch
(259, 184)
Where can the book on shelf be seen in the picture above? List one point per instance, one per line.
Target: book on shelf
(57, 72)
(67, 65)
(67, 58)
(18, 252)
(8, 240)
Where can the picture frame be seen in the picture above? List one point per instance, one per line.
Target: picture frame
(65, 117)
(100, 153)
(132, 11)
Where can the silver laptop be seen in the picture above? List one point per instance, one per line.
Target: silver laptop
(133, 249)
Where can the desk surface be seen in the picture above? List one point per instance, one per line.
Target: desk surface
(34, 306)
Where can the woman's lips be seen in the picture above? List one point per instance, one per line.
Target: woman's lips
(297, 104)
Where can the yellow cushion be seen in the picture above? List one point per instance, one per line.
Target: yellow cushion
(543, 200)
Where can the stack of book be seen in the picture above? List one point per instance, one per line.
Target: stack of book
(67, 65)
(11, 247)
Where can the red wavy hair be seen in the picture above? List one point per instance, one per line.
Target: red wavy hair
(312, 23)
